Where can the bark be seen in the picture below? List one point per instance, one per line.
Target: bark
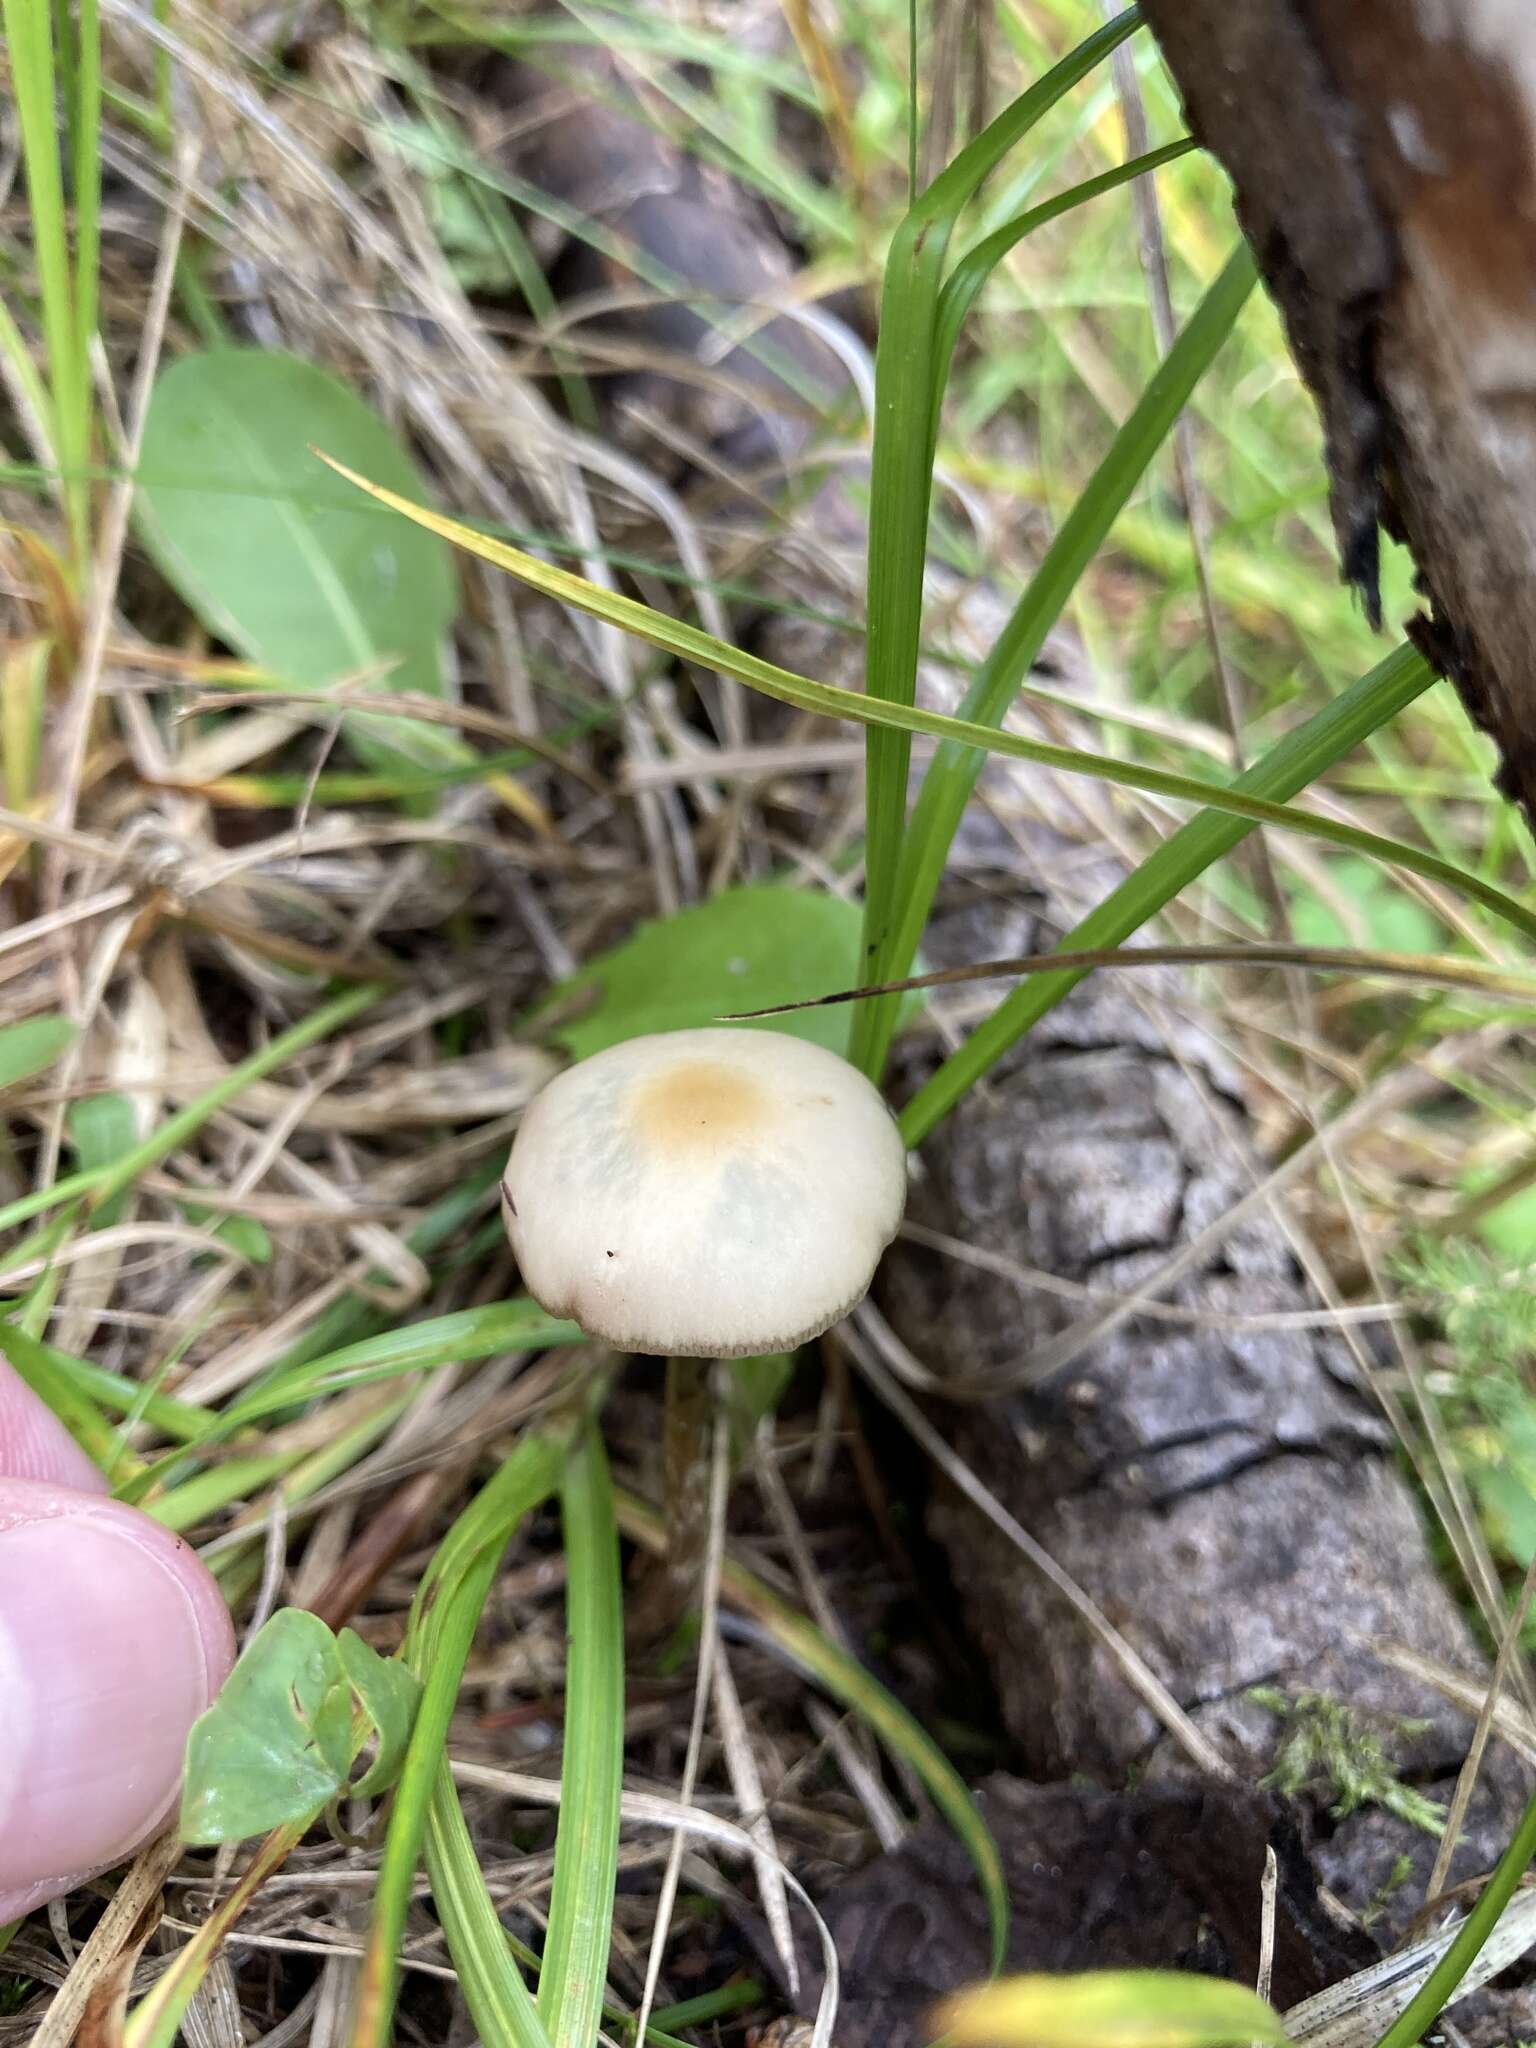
(1383, 155)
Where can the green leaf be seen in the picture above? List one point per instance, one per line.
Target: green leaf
(1111, 2009)
(1389, 919)
(466, 221)
(31, 1046)
(275, 1745)
(743, 950)
(1290, 765)
(248, 1237)
(909, 379)
(388, 1694)
(1510, 1229)
(951, 774)
(278, 1743)
(456, 1339)
(101, 1129)
(38, 1365)
(1508, 1509)
(275, 556)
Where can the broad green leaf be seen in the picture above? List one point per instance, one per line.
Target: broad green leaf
(275, 556)
(387, 1693)
(743, 950)
(1110, 2009)
(31, 1046)
(276, 1744)
(1508, 1507)
(101, 1128)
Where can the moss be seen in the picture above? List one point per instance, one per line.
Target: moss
(1335, 1752)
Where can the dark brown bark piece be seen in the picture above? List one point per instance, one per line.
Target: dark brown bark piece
(1383, 155)
(1096, 1880)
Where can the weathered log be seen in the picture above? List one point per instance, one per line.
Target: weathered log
(1383, 155)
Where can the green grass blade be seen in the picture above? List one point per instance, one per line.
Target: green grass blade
(677, 637)
(29, 34)
(502, 2007)
(469, 1333)
(908, 379)
(1421, 2012)
(592, 1767)
(487, 1956)
(354, 1317)
(32, 387)
(963, 286)
(1296, 761)
(181, 1421)
(441, 1630)
(98, 1184)
(35, 1364)
(86, 158)
(689, 642)
(952, 773)
(229, 1481)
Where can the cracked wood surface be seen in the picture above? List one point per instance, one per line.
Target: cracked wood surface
(1231, 1499)
(1383, 156)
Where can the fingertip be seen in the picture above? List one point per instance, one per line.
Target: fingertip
(34, 1444)
(114, 1637)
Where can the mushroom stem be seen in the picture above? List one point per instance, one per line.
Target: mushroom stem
(673, 1592)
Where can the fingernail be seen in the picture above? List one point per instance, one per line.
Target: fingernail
(113, 1639)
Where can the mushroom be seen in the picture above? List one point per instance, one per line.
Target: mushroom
(714, 1193)
(704, 1194)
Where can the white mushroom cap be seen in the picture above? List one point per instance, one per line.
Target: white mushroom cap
(712, 1193)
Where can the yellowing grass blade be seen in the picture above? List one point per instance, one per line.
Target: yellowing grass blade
(1110, 2009)
(689, 643)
